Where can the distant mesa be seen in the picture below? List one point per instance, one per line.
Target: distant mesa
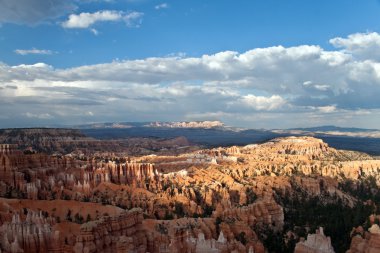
(332, 131)
(113, 125)
(319, 131)
(116, 125)
(187, 124)
(335, 128)
(156, 124)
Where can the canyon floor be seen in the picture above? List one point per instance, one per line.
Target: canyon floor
(64, 192)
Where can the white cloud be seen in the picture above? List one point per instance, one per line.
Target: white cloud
(307, 84)
(161, 6)
(86, 19)
(361, 45)
(33, 51)
(327, 109)
(259, 103)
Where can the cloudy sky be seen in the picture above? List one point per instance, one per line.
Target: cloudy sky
(252, 63)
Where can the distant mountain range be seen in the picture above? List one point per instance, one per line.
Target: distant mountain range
(116, 125)
(324, 130)
(188, 124)
(181, 124)
(332, 131)
(215, 133)
(335, 128)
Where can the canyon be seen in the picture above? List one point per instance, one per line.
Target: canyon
(179, 197)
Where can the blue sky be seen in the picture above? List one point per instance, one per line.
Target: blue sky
(271, 64)
(191, 27)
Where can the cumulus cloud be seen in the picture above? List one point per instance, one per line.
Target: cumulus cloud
(263, 87)
(365, 46)
(33, 51)
(32, 12)
(258, 103)
(86, 20)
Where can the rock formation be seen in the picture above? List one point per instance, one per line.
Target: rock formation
(315, 243)
(366, 242)
(191, 124)
(212, 200)
(34, 234)
(122, 233)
